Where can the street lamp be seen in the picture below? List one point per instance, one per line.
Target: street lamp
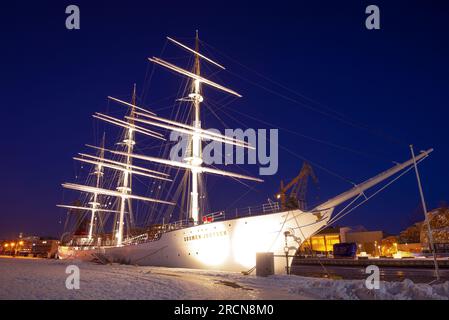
(286, 251)
(19, 246)
(13, 244)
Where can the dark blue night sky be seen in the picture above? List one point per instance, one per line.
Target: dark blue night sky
(391, 86)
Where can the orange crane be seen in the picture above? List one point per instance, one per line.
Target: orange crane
(298, 185)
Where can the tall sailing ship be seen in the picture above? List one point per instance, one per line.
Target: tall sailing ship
(198, 240)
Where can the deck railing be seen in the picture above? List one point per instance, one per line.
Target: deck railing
(137, 239)
(266, 208)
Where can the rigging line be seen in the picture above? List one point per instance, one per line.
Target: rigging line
(231, 98)
(341, 215)
(223, 156)
(162, 149)
(319, 166)
(241, 182)
(147, 81)
(169, 214)
(338, 115)
(176, 57)
(224, 105)
(299, 102)
(304, 158)
(299, 134)
(181, 92)
(179, 113)
(238, 166)
(278, 83)
(138, 210)
(141, 149)
(346, 207)
(311, 138)
(161, 108)
(214, 113)
(209, 69)
(238, 199)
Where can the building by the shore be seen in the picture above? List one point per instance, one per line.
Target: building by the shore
(415, 239)
(411, 241)
(323, 242)
(29, 246)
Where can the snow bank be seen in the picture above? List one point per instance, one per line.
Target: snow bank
(356, 290)
(45, 279)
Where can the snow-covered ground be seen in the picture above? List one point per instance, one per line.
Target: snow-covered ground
(45, 279)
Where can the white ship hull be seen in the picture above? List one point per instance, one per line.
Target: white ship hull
(229, 245)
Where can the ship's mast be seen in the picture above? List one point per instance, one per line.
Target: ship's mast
(193, 161)
(125, 166)
(196, 159)
(95, 204)
(125, 187)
